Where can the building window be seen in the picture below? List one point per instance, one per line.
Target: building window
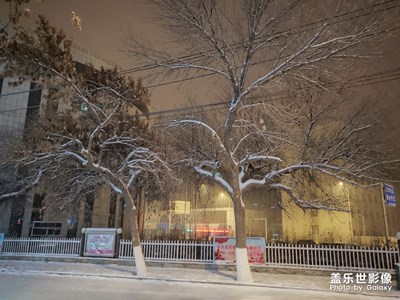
(46, 228)
(37, 208)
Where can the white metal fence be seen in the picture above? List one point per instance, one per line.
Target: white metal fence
(42, 246)
(171, 251)
(331, 257)
(328, 257)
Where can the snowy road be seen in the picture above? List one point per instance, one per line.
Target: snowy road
(20, 286)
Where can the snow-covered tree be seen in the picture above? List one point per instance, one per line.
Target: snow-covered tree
(253, 48)
(88, 133)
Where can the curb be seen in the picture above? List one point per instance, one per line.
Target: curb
(212, 267)
(220, 282)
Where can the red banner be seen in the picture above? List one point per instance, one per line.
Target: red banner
(224, 250)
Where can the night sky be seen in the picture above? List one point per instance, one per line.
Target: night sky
(105, 25)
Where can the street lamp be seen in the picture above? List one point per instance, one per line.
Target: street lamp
(84, 107)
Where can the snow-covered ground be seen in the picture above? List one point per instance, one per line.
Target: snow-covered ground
(87, 271)
(20, 286)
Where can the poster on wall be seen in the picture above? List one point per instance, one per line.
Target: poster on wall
(224, 250)
(99, 243)
(1, 242)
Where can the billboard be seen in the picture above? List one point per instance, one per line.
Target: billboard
(224, 250)
(100, 242)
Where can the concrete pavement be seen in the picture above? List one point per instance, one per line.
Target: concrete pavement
(196, 273)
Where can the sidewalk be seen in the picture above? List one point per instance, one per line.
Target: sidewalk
(175, 272)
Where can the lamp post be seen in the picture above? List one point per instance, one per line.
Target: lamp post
(384, 215)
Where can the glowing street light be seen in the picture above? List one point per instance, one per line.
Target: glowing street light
(84, 107)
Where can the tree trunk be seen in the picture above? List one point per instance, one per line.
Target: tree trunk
(118, 212)
(243, 271)
(137, 248)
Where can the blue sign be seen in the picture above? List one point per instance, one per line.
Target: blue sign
(388, 191)
(1, 242)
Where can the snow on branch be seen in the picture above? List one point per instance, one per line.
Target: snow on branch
(303, 204)
(207, 174)
(115, 188)
(214, 134)
(134, 175)
(34, 181)
(254, 158)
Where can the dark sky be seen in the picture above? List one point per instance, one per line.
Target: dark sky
(106, 23)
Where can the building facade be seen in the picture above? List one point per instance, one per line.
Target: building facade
(20, 106)
(198, 210)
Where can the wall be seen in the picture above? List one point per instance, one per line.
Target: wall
(101, 208)
(366, 226)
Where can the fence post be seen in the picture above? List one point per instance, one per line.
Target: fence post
(397, 265)
(118, 242)
(82, 242)
(28, 250)
(398, 242)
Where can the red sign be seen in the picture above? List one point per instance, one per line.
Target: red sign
(224, 250)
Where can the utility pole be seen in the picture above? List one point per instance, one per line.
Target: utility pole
(385, 215)
(350, 215)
